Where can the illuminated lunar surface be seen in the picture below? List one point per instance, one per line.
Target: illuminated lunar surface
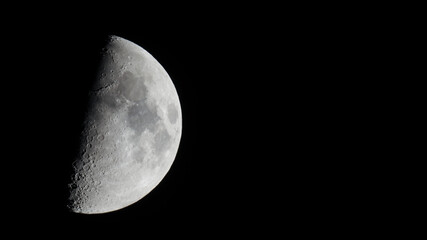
(131, 131)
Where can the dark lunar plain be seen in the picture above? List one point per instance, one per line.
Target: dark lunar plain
(266, 119)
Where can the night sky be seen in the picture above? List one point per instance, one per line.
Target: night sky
(265, 121)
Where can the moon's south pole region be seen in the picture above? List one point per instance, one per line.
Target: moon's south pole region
(131, 131)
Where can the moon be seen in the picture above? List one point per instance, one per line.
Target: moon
(131, 132)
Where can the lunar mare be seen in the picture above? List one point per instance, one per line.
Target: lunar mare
(131, 133)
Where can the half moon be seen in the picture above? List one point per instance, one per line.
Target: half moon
(131, 133)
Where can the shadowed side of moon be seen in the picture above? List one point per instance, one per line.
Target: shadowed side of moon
(131, 131)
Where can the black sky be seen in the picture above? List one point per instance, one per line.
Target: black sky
(264, 119)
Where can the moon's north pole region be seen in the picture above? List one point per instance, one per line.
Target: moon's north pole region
(131, 133)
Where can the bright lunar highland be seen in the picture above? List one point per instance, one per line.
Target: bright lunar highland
(131, 134)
